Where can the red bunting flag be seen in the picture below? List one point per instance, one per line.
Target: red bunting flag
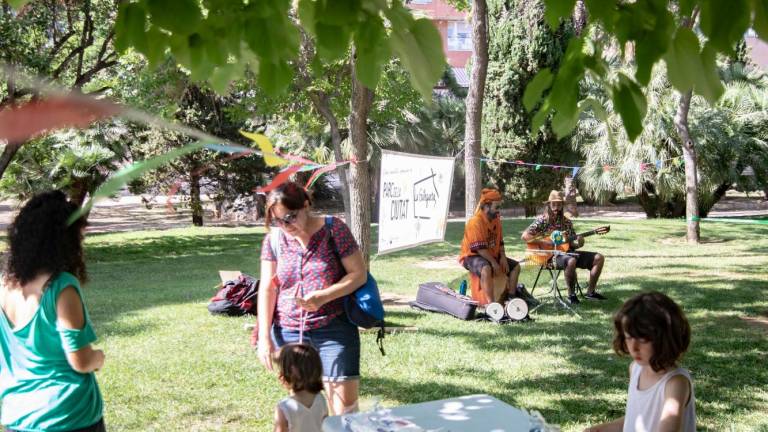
(280, 178)
(20, 123)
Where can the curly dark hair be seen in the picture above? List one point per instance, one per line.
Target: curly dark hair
(41, 240)
(658, 319)
(300, 367)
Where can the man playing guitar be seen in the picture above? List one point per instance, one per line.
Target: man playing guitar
(554, 219)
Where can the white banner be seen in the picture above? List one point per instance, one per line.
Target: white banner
(414, 195)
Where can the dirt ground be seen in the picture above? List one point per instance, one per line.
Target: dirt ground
(128, 213)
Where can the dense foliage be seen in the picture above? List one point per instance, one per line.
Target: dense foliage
(521, 44)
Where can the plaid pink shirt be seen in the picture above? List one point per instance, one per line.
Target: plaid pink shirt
(303, 271)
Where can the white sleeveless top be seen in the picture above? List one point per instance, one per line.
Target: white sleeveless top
(303, 419)
(644, 406)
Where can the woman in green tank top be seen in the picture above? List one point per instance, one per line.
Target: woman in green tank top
(47, 364)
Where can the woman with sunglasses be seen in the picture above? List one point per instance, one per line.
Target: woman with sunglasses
(304, 278)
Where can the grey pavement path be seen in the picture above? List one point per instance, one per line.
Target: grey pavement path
(128, 213)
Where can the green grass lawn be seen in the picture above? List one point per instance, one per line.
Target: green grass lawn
(172, 366)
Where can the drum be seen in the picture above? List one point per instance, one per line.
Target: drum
(516, 309)
(499, 289)
(495, 311)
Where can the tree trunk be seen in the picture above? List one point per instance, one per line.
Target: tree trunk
(78, 191)
(375, 182)
(691, 175)
(474, 104)
(194, 199)
(717, 195)
(8, 153)
(570, 191)
(324, 107)
(649, 203)
(531, 209)
(359, 175)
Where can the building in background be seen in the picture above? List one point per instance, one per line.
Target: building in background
(455, 31)
(758, 50)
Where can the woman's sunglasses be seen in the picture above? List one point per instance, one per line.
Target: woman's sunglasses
(288, 219)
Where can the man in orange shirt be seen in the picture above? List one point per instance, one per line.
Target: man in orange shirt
(482, 249)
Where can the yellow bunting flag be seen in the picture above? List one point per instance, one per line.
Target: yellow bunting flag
(266, 148)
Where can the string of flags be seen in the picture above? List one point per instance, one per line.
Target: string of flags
(677, 161)
(20, 123)
(61, 109)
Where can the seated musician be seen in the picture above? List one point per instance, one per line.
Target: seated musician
(482, 248)
(554, 219)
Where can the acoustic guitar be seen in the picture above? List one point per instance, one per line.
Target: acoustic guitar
(540, 254)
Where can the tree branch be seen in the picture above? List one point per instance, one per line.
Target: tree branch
(87, 38)
(88, 75)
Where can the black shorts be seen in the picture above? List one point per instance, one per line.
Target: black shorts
(584, 260)
(475, 264)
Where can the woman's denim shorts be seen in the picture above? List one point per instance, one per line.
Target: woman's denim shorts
(338, 344)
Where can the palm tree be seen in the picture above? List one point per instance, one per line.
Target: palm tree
(730, 136)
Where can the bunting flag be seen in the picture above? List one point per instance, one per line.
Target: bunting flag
(574, 172)
(318, 173)
(200, 171)
(677, 160)
(270, 157)
(282, 177)
(125, 175)
(20, 123)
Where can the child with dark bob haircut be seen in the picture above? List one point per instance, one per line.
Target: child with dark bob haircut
(300, 371)
(652, 329)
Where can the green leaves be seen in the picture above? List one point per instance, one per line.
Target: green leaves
(332, 23)
(683, 60)
(708, 83)
(724, 22)
(129, 27)
(372, 51)
(629, 101)
(540, 83)
(602, 10)
(651, 25)
(418, 44)
(760, 23)
(557, 9)
(177, 16)
(17, 4)
(689, 69)
(211, 46)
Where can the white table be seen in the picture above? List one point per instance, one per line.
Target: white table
(475, 413)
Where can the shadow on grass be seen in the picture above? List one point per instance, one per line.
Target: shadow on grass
(148, 272)
(726, 357)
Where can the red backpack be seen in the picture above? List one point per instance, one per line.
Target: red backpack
(235, 297)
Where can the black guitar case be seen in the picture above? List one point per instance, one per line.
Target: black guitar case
(436, 297)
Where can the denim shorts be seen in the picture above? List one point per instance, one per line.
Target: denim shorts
(338, 344)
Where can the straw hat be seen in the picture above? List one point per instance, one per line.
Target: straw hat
(555, 196)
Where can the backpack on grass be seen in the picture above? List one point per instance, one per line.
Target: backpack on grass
(235, 297)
